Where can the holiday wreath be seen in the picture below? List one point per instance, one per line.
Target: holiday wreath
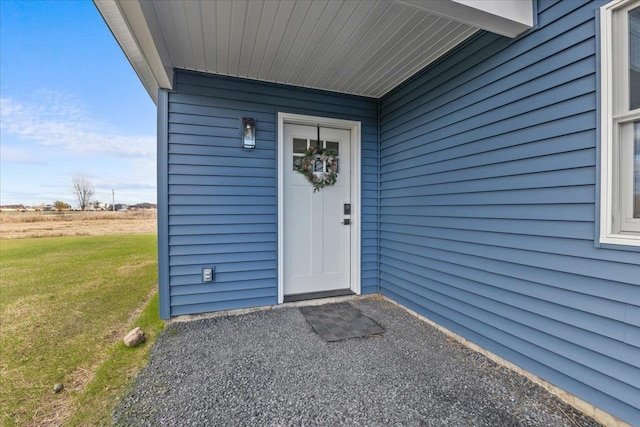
(310, 163)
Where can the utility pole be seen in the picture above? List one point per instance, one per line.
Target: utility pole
(113, 200)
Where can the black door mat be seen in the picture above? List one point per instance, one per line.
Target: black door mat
(340, 321)
(318, 295)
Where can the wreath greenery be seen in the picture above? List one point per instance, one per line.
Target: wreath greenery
(307, 166)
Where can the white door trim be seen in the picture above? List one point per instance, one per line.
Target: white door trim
(356, 212)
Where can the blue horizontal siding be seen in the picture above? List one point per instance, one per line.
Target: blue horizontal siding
(230, 267)
(558, 211)
(191, 291)
(223, 302)
(216, 239)
(192, 230)
(575, 229)
(222, 200)
(487, 209)
(220, 210)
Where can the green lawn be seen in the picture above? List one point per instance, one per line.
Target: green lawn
(65, 304)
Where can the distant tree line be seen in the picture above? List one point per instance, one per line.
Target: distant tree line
(83, 191)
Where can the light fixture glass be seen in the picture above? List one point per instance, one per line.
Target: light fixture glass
(248, 132)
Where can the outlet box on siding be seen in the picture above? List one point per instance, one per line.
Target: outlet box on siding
(208, 274)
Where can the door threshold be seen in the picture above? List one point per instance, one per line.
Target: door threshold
(318, 295)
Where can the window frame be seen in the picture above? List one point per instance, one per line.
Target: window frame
(617, 225)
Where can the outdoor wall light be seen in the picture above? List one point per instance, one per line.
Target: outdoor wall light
(248, 132)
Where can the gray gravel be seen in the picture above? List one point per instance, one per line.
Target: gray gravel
(270, 368)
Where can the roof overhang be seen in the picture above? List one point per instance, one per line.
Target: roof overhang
(358, 47)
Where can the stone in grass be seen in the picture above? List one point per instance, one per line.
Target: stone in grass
(58, 388)
(134, 338)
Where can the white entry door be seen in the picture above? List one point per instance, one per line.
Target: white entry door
(317, 239)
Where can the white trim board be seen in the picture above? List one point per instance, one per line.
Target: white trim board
(356, 211)
(615, 209)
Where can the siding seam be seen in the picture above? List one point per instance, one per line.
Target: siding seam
(379, 195)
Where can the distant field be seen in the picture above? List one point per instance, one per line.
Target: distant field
(65, 304)
(21, 225)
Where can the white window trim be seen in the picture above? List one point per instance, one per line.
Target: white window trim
(611, 185)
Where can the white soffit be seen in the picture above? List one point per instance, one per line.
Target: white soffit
(358, 47)
(507, 18)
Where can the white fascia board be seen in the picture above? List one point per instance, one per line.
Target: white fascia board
(508, 18)
(128, 25)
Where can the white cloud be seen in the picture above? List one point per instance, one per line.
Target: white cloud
(18, 155)
(56, 121)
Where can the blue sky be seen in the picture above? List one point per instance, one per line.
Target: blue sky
(71, 105)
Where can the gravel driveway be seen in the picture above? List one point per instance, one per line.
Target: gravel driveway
(269, 368)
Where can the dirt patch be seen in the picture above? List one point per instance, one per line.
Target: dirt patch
(22, 225)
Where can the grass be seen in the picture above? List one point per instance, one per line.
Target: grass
(65, 304)
(95, 405)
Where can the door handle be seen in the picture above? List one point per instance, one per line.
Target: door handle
(346, 221)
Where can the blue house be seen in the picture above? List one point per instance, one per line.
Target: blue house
(486, 158)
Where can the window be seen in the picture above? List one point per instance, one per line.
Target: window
(620, 113)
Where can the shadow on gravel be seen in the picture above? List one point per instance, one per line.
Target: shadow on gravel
(271, 368)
